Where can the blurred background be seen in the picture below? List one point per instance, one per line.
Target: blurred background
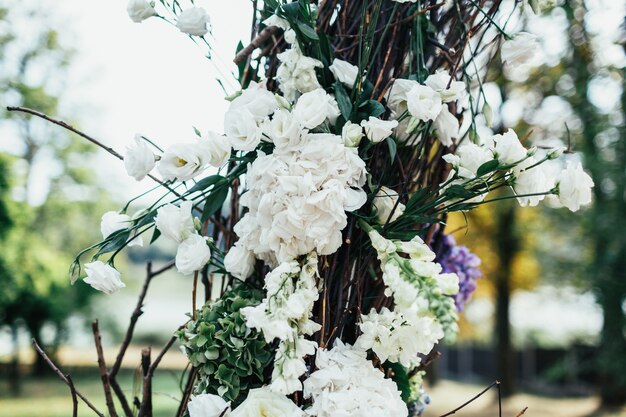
(548, 319)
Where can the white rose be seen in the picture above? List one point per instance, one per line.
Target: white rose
(174, 222)
(181, 161)
(113, 221)
(378, 130)
(239, 262)
(264, 402)
(384, 202)
(344, 72)
(314, 107)
(396, 99)
(531, 181)
(519, 50)
(140, 10)
(446, 126)
(423, 102)
(103, 277)
(242, 130)
(193, 21)
(139, 159)
(574, 187)
(351, 134)
(439, 82)
(216, 149)
(208, 405)
(192, 254)
(508, 148)
(448, 283)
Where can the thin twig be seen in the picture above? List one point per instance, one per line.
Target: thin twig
(61, 375)
(521, 413)
(70, 383)
(85, 136)
(102, 367)
(145, 410)
(495, 383)
(256, 42)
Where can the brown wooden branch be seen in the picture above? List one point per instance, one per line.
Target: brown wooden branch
(465, 404)
(182, 407)
(70, 383)
(102, 367)
(61, 375)
(145, 410)
(521, 413)
(265, 34)
(85, 136)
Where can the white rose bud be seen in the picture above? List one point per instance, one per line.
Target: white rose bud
(140, 10)
(574, 187)
(192, 254)
(351, 133)
(519, 50)
(424, 103)
(384, 202)
(239, 262)
(113, 221)
(139, 159)
(103, 277)
(344, 72)
(378, 130)
(556, 152)
(508, 148)
(181, 162)
(174, 222)
(216, 149)
(208, 405)
(193, 21)
(314, 107)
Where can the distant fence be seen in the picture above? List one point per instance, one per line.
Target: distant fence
(556, 371)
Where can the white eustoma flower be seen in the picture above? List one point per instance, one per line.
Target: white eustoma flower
(314, 107)
(446, 127)
(574, 187)
(344, 72)
(519, 50)
(423, 102)
(257, 101)
(103, 277)
(384, 202)
(468, 158)
(174, 222)
(112, 221)
(283, 130)
(279, 22)
(216, 149)
(351, 133)
(397, 96)
(378, 130)
(508, 149)
(181, 162)
(296, 73)
(192, 254)
(439, 82)
(531, 181)
(264, 402)
(193, 21)
(239, 262)
(208, 405)
(140, 10)
(139, 159)
(242, 130)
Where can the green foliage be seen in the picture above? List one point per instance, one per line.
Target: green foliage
(230, 357)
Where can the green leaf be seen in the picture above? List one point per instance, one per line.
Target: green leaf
(155, 235)
(147, 218)
(214, 202)
(372, 108)
(206, 182)
(343, 101)
(457, 191)
(487, 167)
(392, 148)
(118, 240)
(308, 31)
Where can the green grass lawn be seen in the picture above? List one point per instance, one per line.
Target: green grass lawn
(50, 397)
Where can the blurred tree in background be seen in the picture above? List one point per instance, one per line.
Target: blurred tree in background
(47, 195)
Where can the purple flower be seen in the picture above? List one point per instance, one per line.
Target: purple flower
(458, 259)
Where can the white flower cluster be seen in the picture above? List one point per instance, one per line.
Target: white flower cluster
(298, 195)
(347, 384)
(532, 177)
(296, 73)
(418, 287)
(399, 335)
(285, 314)
(427, 102)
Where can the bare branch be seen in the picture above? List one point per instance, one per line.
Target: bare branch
(61, 375)
(256, 42)
(145, 410)
(103, 370)
(70, 383)
(521, 413)
(495, 383)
